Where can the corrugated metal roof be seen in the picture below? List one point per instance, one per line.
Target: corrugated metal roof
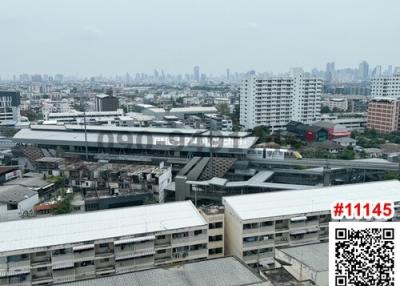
(73, 228)
(226, 271)
(309, 200)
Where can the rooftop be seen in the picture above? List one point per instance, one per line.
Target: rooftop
(75, 228)
(314, 256)
(67, 137)
(193, 109)
(274, 204)
(227, 271)
(15, 193)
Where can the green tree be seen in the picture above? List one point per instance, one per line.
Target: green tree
(325, 109)
(391, 175)
(223, 108)
(262, 132)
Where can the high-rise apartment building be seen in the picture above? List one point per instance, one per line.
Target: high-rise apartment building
(386, 86)
(384, 114)
(276, 101)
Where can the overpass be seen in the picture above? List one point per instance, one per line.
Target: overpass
(331, 163)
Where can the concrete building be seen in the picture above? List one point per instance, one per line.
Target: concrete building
(80, 246)
(386, 86)
(227, 271)
(384, 114)
(16, 202)
(307, 262)
(214, 215)
(136, 141)
(10, 102)
(335, 103)
(274, 102)
(255, 225)
(206, 180)
(78, 117)
(106, 102)
(108, 185)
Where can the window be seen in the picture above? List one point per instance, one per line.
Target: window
(161, 251)
(215, 225)
(215, 238)
(103, 245)
(161, 237)
(12, 206)
(198, 232)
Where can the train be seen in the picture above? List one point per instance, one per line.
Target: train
(273, 154)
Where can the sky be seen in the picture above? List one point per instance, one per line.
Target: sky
(98, 37)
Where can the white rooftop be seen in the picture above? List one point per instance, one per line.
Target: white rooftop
(193, 109)
(74, 228)
(186, 138)
(283, 203)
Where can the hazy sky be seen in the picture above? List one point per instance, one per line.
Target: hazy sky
(92, 37)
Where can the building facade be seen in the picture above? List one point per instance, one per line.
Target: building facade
(106, 102)
(255, 225)
(67, 248)
(274, 102)
(384, 114)
(386, 86)
(214, 215)
(10, 102)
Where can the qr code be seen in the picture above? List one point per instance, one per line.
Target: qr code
(364, 256)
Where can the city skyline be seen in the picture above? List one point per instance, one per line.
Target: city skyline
(88, 39)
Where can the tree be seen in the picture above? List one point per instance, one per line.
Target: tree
(346, 154)
(223, 108)
(391, 175)
(262, 132)
(325, 109)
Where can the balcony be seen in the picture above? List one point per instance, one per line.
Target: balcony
(62, 261)
(63, 276)
(19, 265)
(189, 239)
(39, 279)
(84, 255)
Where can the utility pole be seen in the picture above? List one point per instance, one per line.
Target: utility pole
(86, 143)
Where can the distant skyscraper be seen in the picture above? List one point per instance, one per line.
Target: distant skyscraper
(228, 75)
(196, 73)
(377, 72)
(330, 71)
(363, 70)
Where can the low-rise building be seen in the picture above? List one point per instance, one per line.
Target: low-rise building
(307, 262)
(17, 202)
(255, 225)
(214, 215)
(80, 246)
(225, 271)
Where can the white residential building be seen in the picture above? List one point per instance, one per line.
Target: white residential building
(274, 102)
(257, 224)
(385, 86)
(65, 248)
